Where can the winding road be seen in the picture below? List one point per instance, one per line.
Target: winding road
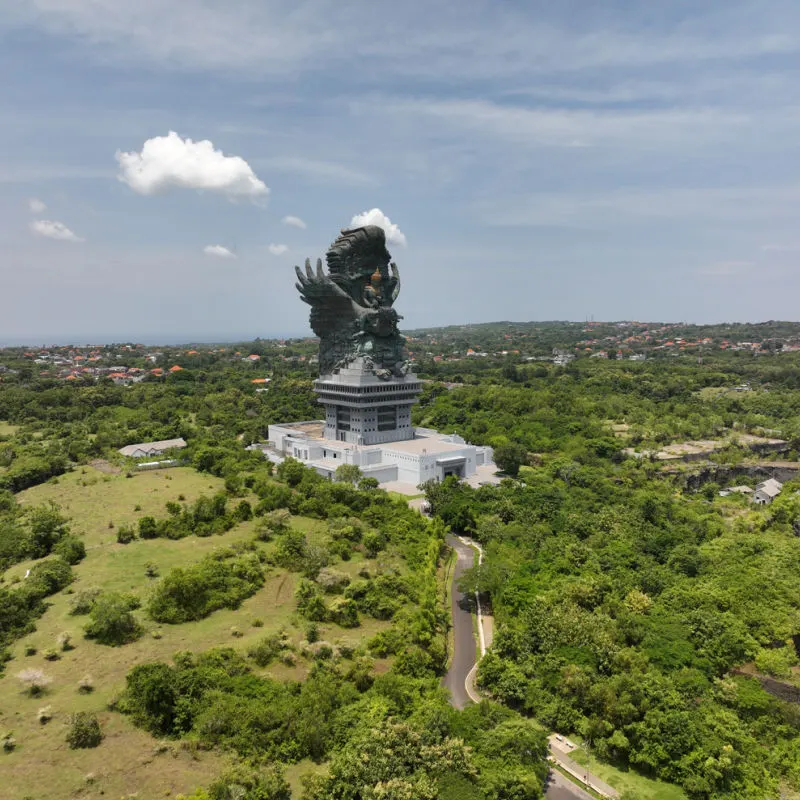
(459, 680)
(464, 650)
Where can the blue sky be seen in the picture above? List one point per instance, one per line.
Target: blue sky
(623, 160)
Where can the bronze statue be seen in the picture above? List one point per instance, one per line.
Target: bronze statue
(351, 306)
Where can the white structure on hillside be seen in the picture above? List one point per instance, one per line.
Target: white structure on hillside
(150, 449)
(767, 491)
(424, 455)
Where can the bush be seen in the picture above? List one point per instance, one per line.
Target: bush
(151, 570)
(148, 528)
(112, 622)
(30, 650)
(267, 649)
(51, 655)
(34, 680)
(332, 580)
(83, 601)
(45, 714)
(48, 577)
(84, 731)
(125, 534)
(344, 612)
(86, 685)
(64, 641)
(243, 783)
(70, 548)
(221, 580)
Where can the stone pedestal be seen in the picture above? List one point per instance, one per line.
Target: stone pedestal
(362, 409)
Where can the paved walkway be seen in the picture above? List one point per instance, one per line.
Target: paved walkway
(560, 748)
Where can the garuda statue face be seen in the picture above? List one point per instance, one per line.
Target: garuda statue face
(351, 306)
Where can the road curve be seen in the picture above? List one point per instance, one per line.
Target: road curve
(557, 786)
(463, 637)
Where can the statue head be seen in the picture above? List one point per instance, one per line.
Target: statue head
(357, 253)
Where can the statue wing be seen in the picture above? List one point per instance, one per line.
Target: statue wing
(331, 307)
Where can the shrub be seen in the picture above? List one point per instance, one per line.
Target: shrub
(244, 783)
(70, 548)
(112, 622)
(312, 632)
(9, 743)
(148, 528)
(151, 570)
(83, 601)
(267, 649)
(125, 534)
(777, 661)
(344, 612)
(243, 511)
(34, 680)
(30, 650)
(257, 622)
(221, 580)
(45, 714)
(332, 580)
(309, 601)
(48, 577)
(86, 685)
(51, 654)
(84, 731)
(64, 641)
(236, 633)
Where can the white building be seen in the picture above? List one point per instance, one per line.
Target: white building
(413, 461)
(767, 491)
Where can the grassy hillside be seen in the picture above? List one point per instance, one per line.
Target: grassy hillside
(129, 760)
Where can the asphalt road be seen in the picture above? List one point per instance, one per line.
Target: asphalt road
(557, 786)
(464, 649)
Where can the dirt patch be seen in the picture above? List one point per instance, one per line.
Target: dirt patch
(101, 465)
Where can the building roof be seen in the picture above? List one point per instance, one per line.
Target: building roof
(427, 445)
(152, 447)
(771, 487)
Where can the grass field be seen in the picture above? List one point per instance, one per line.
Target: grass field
(7, 429)
(628, 780)
(126, 762)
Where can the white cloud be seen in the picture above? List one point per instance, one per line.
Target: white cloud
(54, 230)
(167, 162)
(36, 206)
(218, 250)
(278, 249)
(376, 217)
(294, 222)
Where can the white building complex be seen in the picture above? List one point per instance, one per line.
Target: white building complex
(368, 424)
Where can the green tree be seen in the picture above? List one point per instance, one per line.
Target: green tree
(348, 473)
(111, 621)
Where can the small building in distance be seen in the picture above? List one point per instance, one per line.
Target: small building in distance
(767, 491)
(150, 449)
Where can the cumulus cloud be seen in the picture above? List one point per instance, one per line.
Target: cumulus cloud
(218, 251)
(294, 222)
(278, 249)
(54, 230)
(36, 206)
(167, 162)
(376, 217)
